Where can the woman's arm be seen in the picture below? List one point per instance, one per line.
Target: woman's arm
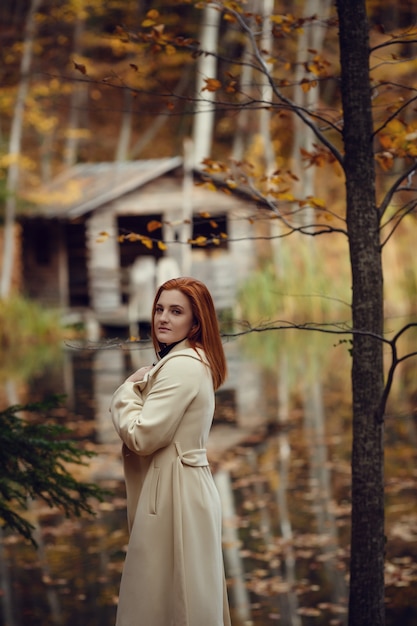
(147, 426)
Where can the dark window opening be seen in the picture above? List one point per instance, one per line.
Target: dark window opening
(77, 264)
(42, 245)
(130, 250)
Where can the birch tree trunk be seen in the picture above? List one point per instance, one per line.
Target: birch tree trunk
(14, 153)
(311, 38)
(77, 102)
(207, 68)
(366, 602)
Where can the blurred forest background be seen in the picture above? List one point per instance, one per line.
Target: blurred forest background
(97, 81)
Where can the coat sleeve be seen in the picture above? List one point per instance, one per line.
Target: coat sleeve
(146, 426)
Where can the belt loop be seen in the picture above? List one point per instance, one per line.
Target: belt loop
(178, 448)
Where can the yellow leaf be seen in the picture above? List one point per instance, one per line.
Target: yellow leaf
(277, 19)
(147, 23)
(153, 14)
(318, 203)
(286, 196)
(170, 50)
(199, 241)
(133, 237)
(204, 214)
(102, 237)
(148, 243)
(162, 245)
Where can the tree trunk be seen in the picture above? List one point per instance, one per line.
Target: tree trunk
(366, 602)
(205, 104)
(14, 153)
(303, 137)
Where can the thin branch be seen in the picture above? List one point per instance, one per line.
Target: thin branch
(395, 187)
(394, 41)
(394, 115)
(395, 361)
(399, 218)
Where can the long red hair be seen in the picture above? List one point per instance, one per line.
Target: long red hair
(205, 332)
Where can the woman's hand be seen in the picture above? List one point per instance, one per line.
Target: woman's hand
(139, 374)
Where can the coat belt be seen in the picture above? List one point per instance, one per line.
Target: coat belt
(194, 458)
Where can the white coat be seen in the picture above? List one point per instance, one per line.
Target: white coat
(173, 573)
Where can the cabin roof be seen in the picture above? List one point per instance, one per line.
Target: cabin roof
(88, 186)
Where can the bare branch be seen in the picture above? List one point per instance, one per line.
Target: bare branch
(395, 187)
(394, 115)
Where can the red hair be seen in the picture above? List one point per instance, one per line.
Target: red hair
(205, 332)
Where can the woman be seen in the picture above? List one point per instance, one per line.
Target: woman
(173, 574)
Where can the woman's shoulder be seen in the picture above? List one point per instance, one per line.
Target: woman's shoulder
(184, 355)
(185, 359)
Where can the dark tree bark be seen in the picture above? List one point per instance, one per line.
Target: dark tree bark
(366, 602)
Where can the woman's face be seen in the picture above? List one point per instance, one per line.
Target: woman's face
(173, 316)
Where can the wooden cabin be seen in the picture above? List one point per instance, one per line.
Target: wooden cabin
(76, 255)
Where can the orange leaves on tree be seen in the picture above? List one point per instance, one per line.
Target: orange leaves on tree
(132, 237)
(398, 140)
(230, 9)
(306, 85)
(198, 241)
(286, 23)
(212, 84)
(148, 242)
(102, 237)
(318, 65)
(316, 203)
(319, 156)
(231, 85)
(153, 225)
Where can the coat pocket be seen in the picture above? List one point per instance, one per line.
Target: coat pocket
(153, 492)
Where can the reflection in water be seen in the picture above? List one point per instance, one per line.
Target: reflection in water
(280, 452)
